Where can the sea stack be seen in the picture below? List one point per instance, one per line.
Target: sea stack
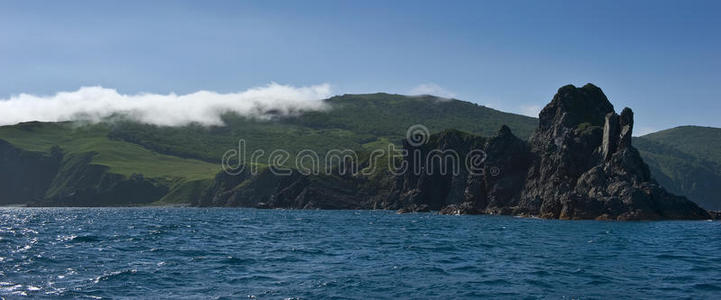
(585, 166)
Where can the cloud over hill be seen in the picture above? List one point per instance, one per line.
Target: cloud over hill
(203, 107)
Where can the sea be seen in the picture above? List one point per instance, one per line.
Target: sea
(237, 253)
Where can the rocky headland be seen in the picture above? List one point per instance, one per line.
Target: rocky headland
(579, 164)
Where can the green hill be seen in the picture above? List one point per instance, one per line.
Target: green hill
(120, 157)
(701, 142)
(687, 161)
(355, 122)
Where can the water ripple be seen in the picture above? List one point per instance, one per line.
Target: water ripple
(290, 254)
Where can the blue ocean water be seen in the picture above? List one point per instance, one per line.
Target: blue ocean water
(275, 254)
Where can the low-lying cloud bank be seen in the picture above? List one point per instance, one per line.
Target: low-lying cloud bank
(203, 107)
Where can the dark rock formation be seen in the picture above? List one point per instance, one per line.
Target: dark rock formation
(488, 187)
(626, 122)
(610, 135)
(318, 192)
(430, 180)
(579, 164)
(293, 191)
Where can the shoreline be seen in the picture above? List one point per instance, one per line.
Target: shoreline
(715, 214)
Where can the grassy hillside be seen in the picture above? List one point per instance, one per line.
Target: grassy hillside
(391, 115)
(93, 160)
(120, 157)
(355, 122)
(701, 142)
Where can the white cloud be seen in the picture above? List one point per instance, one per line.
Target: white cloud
(530, 110)
(203, 107)
(431, 89)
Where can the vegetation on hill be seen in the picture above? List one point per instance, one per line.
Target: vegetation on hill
(120, 157)
(701, 142)
(91, 161)
(687, 161)
(358, 122)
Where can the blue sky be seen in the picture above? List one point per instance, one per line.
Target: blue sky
(661, 58)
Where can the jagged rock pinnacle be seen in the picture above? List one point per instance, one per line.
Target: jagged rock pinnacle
(626, 128)
(610, 135)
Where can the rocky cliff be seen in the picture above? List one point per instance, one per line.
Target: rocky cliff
(579, 164)
(25, 175)
(296, 191)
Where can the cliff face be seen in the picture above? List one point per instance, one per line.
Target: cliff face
(296, 191)
(579, 164)
(490, 187)
(54, 179)
(25, 175)
(78, 182)
(432, 184)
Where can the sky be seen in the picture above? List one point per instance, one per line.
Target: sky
(661, 58)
